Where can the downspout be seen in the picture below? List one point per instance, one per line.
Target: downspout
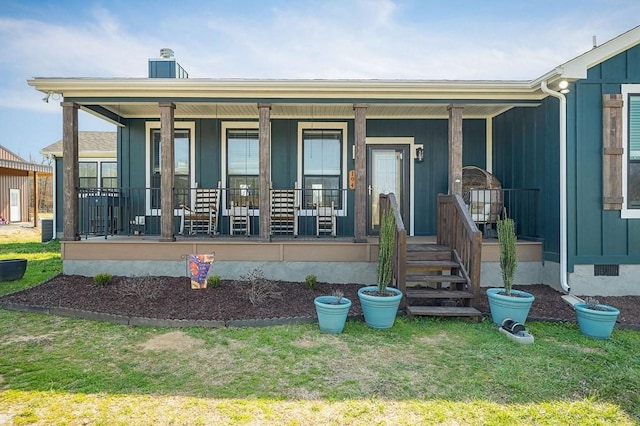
(563, 183)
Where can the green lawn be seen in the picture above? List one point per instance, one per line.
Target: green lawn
(43, 261)
(65, 371)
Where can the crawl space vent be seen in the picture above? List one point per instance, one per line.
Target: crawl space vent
(606, 270)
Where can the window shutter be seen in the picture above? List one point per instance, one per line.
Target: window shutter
(612, 151)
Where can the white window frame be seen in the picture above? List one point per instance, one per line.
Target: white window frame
(234, 125)
(178, 125)
(627, 90)
(339, 125)
(99, 161)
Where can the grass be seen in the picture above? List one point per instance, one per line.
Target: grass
(65, 371)
(43, 261)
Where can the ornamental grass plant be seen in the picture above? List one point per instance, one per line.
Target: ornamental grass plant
(507, 244)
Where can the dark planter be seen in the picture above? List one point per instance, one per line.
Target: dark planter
(12, 269)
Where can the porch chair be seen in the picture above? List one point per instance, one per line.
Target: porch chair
(239, 221)
(284, 211)
(483, 207)
(203, 216)
(325, 220)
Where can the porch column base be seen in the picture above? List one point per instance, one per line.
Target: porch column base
(167, 240)
(360, 240)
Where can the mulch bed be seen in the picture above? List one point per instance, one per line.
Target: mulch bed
(173, 298)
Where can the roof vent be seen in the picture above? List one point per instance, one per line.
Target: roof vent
(166, 53)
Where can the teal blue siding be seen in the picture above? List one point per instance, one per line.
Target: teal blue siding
(526, 156)
(430, 176)
(597, 236)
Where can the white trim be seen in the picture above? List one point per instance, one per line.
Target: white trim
(233, 125)
(489, 144)
(340, 125)
(177, 125)
(626, 212)
(412, 153)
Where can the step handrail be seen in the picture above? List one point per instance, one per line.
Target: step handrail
(459, 232)
(386, 202)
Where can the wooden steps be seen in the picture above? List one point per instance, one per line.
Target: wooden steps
(436, 283)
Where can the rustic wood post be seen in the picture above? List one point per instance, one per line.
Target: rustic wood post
(264, 143)
(455, 149)
(167, 172)
(360, 207)
(612, 146)
(70, 176)
(35, 199)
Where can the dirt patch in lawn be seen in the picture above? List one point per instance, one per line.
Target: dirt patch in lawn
(173, 341)
(173, 298)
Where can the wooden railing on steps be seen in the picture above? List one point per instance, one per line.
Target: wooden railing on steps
(386, 202)
(457, 231)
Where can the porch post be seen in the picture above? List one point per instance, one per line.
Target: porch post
(360, 205)
(455, 149)
(70, 178)
(167, 161)
(264, 142)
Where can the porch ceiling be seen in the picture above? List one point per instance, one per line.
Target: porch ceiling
(309, 111)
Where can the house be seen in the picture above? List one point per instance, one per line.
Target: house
(19, 185)
(97, 166)
(564, 146)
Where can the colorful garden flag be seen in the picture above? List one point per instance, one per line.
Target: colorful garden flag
(199, 265)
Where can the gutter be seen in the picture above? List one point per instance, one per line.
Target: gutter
(563, 183)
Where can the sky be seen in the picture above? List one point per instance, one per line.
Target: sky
(307, 39)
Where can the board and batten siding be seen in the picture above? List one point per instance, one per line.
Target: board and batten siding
(526, 155)
(599, 236)
(9, 180)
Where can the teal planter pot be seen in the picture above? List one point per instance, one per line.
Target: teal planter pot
(379, 311)
(331, 314)
(596, 323)
(514, 307)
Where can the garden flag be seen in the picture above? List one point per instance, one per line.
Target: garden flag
(199, 265)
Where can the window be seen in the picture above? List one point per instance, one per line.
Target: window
(630, 143)
(88, 173)
(243, 169)
(321, 167)
(633, 176)
(183, 166)
(108, 174)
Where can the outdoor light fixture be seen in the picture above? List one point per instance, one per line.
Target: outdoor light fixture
(419, 154)
(52, 95)
(564, 86)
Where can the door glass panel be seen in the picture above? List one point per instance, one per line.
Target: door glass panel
(386, 177)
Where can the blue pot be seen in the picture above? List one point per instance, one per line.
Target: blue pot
(331, 315)
(596, 323)
(12, 269)
(379, 311)
(502, 306)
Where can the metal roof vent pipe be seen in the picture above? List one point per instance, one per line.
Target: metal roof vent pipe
(166, 53)
(166, 66)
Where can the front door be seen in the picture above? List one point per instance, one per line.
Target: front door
(14, 209)
(387, 171)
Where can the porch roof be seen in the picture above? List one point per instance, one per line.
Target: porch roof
(115, 99)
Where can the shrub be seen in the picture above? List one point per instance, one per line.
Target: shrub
(143, 288)
(311, 281)
(260, 289)
(385, 250)
(102, 278)
(213, 281)
(507, 243)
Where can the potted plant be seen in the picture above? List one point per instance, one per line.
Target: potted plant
(380, 302)
(595, 319)
(506, 302)
(332, 312)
